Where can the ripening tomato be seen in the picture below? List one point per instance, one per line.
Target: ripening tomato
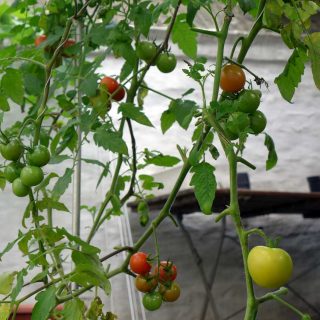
(38, 40)
(12, 171)
(167, 271)
(12, 150)
(66, 53)
(258, 122)
(139, 263)
(20, 189)
(152, 301)
(166, 62)
(232, 78)
(170, 293)
(269, 267)
(112, 85)
(31, 176)
(39, 156)
(146, 283)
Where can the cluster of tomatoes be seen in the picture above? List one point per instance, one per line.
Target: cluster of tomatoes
(158, 285)
(27, 173)
(243, 102)
(165, 62)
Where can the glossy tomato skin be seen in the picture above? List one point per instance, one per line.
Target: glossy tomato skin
(258, 122)
(232, 78)
(152, 301)
(20, 189)
(146, 50)
(69, 43)
(139, 263)
(248, 101)
(111, 85)
(31, 176)
(38, 40)
(12, 171)
(12, 150)
(269, 267)
(146, 283)
(39, 156)
(171, 293)
(167, 271)
(166, 62)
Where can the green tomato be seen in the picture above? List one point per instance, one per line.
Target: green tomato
(258, 122)
(248, 101)
(152, 301)
(101, 103)
(12, 171)
(12, 151)
(269, 267)
(238, 122)
(146, 50)
(230, 135)
(20, 189)
(39, 156)
(166, 62)
(31, 175)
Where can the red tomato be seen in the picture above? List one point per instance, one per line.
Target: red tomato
(168, 271)
(139, 263)
(39, 40)
(111, 86)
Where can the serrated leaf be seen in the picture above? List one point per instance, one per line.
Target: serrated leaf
(167, 120)
(272, 154)
(144, 212)
(192, 10)
(46, 301)
(272, 14)
(6, 282)
(130, 111)
(290, 78)
(19, 284)
(184, 37)
(89, 85)
(313, 43)
(73, 309)
(110, 140)
(142, 18)
(163, 161)
(183, 111)
(48, 203)
(205, 185)
(149, 183)
(4, 104)
(12, 85)
(44, 183)
(62, 184)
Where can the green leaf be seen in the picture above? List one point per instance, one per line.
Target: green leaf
(247, 5)
(149, 183)
(48, 203)
(130, 111)
(89, 85)
(142, 18)
(290, 78)
(163, 161)
(62, 184)
(272, 155)
(192, 10)
(183, 111)
(272, 14)
(12, 85)
(144, 212)
(5, 311)
(19, 284)
(46, 181)
(4, 105)
(184, 37)
(110, 140)
(167, 120)
(46, 301)
(6, 282)
(313, 43)
(3, 180)
(204, 183)
(73, 309)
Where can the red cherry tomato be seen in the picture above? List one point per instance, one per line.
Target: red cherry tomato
(139, 263)
(167, 271)
(39, 40)
(232, 79)
(111, 86)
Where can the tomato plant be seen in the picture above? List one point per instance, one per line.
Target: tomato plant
(269, 267)
(139, 263)
(152, 301)
(232, 79)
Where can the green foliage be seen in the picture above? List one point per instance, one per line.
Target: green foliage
(272, 154)
(46, 301)
(130, 111)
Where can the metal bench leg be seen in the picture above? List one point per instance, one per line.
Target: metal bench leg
(198, 260)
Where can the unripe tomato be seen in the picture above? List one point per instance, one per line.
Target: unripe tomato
(101, 102)
(248, 101)
(12, 151)
(111, 85)
(152, 301)
(258, 122)
(171, 293)
(146, 283)
(31, 176)
(12, 171)
(232, 78)
(39, 156)
(20, 189)
(38, 40)
(166, 62)
(146, 50)
(238, 122)
(69, 43)
(269, 267)
(167, 271)
(139, 263)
